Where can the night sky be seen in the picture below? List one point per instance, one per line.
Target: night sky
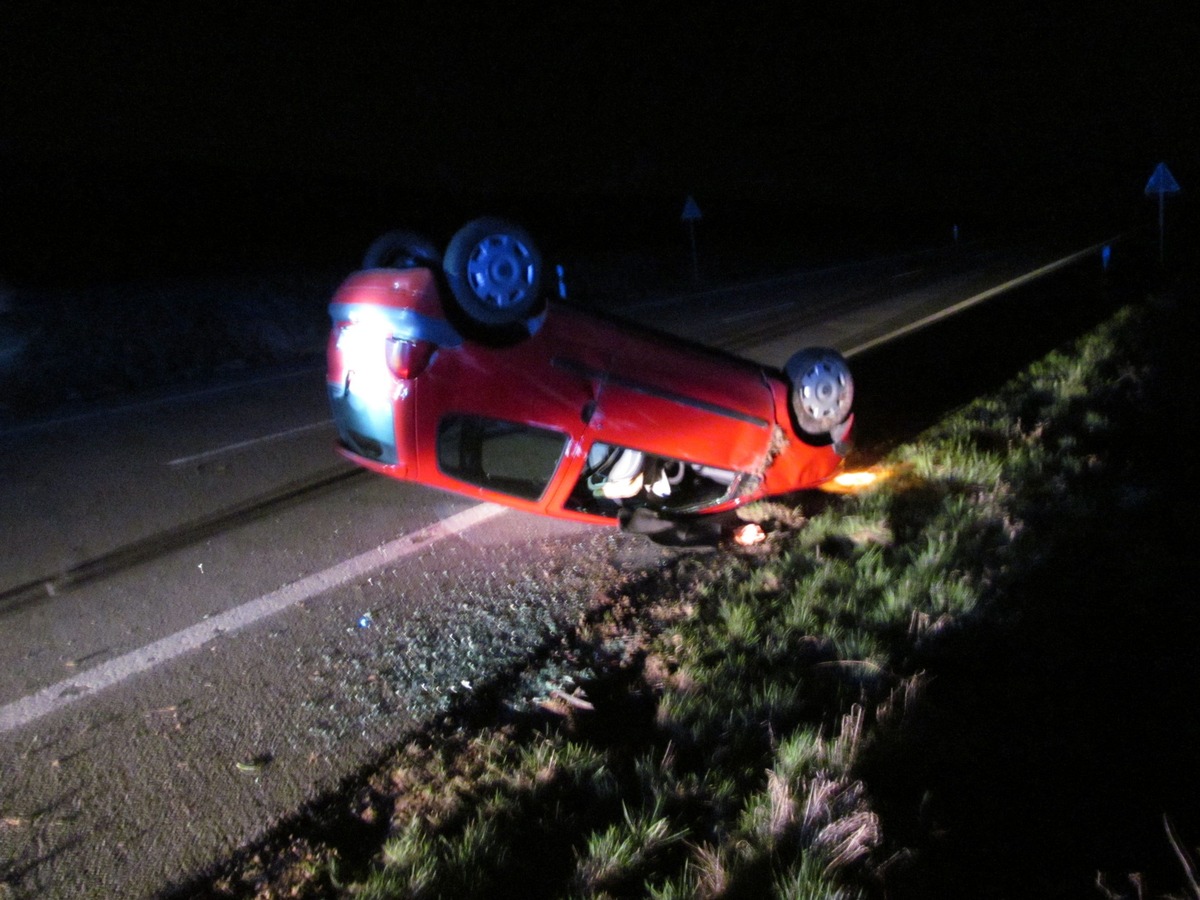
(1027, 109)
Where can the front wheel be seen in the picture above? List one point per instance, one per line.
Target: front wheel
(822, 390)
(494, 271)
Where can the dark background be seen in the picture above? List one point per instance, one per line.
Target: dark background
(206, 137)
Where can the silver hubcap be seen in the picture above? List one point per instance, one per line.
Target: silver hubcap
(822, 390)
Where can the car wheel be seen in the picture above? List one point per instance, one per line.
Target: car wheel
(401, 250)
(822, 390)
(494, 270)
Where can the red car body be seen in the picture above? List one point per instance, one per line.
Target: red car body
(531, 420)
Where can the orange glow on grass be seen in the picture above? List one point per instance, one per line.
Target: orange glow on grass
(852, 482)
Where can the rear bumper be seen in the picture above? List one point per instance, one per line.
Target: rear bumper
(393, 470)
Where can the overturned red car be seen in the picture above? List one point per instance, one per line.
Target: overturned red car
(457, 372)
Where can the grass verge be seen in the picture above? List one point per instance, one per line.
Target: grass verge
(970, 680)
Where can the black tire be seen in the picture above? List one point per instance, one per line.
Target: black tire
(401, 250)
(822, 390)
(494, 270)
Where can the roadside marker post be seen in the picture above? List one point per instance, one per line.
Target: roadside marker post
(1161, 182)
(692, 215)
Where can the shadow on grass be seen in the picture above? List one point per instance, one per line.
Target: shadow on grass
(1050, 749)
(1059, 727)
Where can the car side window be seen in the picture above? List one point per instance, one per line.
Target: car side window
(508, 457)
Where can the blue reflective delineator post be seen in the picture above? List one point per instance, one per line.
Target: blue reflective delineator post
(1161, 182)
(692, 215)
(562, 284)
(1105, 256)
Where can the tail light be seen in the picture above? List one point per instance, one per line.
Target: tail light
(408, 359)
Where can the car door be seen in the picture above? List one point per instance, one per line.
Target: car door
(681, 402)
(501, 423)
(668, 425)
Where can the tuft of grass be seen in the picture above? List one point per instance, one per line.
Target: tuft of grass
(619, 858)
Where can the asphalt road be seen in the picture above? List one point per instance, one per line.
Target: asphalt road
(209, 619)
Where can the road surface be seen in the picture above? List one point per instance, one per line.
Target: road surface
(208, 619)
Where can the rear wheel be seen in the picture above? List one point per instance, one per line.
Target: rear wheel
(401, 250)
(494, 270)
(822, 390)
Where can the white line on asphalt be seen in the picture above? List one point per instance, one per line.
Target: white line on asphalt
(241, 445)
(772, 280)
(53, 698)
(972, 301)
(753, 313)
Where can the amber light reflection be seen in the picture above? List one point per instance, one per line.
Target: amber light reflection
(852, 482)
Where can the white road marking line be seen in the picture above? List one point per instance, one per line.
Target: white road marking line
(796, 275)
(972, 301)
(53, 698)
(754, 313)
(744, 285)
(241, 445)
